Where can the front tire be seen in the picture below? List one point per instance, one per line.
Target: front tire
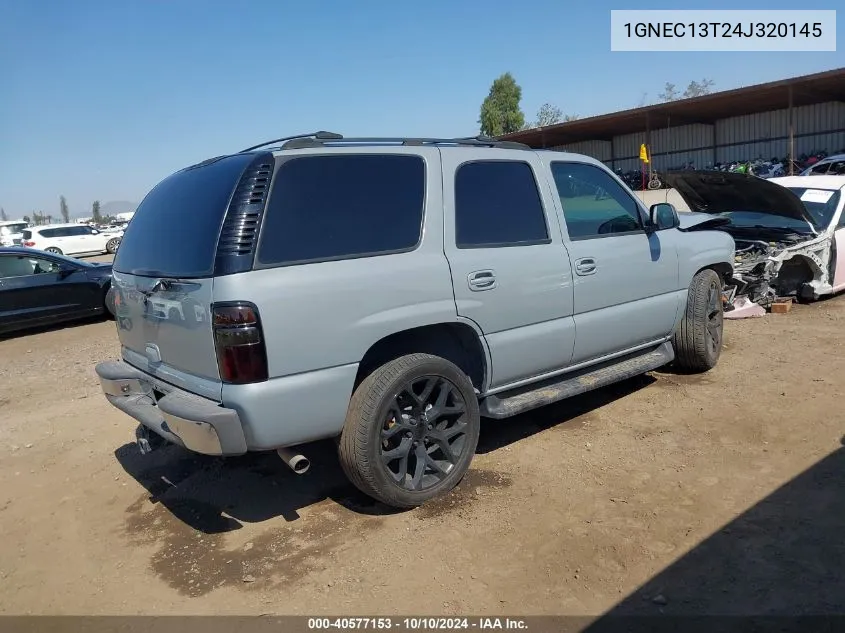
(112, 245)
(411, 430)
(698, 339)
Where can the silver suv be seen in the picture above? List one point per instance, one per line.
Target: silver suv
(390, 292)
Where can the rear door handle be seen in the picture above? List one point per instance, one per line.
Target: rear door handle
(585, 266)
(481, 280)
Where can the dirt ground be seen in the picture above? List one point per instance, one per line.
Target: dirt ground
(666, 493)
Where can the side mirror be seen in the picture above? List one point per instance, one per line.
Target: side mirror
(663, 216)
(65, 271)
(95, 231)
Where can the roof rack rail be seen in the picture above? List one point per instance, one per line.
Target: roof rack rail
(310, 140)
(322, 134)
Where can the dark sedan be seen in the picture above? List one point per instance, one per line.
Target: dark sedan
(38, 288)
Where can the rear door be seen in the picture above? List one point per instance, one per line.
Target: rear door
(163, 281)
(627, 289)
(510, 270)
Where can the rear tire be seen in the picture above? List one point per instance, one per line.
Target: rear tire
(698, 339)
(418, 410)
(112, 245)
(54, 250)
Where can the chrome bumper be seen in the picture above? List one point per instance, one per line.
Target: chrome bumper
(199, 424)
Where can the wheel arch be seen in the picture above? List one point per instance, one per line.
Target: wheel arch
(459, 342)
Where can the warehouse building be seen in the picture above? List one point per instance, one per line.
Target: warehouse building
(783, 119)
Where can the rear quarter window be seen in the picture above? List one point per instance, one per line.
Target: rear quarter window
(343, 206)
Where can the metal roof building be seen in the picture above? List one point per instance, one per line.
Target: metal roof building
(786, 118)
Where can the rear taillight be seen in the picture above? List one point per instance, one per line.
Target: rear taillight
(28, 243)
(239, 341)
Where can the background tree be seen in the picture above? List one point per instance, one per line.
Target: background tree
(694, 89)
(63, 209)
(548, 114)
(49, 219)
(96, 216)
(500, 110)
(697, 89)
(26, 219)
(3, 216)
(670, 93)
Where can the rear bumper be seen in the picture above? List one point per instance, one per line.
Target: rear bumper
(199, 424)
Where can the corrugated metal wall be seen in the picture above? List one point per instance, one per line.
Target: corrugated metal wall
(597, 149)
(819, 127)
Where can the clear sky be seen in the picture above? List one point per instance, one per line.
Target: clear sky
(101, 99)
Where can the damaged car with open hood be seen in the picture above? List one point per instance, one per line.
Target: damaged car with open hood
(789, 231)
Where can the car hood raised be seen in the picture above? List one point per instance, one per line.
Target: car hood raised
(718, 192)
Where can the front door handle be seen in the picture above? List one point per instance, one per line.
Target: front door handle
(585, 266)
(481, 280)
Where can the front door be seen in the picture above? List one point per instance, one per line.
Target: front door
(626, 281)
(32, 289)
(510, 269)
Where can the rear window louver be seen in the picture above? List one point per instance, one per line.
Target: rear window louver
(240, 229)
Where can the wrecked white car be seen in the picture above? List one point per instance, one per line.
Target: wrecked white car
(789, 232)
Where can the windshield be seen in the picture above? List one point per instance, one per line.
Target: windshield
(820, 203)
(753, 219)
(12, 229)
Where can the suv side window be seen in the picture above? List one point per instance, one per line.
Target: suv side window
(497, 204)
(594, 204)
(340, 206)
(51, 233)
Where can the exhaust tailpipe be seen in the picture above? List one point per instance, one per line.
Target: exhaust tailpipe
(297, 463)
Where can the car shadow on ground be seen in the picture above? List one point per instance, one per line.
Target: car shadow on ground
(215, 495)
(54, 327)
(784, 556)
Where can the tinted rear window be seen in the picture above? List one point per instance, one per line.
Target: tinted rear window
(175, 229)
(342, 206)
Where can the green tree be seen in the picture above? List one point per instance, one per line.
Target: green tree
(26, 219)
(96, 216)
(3, 216)
(63, 209)
(49, 219)
(500, 110)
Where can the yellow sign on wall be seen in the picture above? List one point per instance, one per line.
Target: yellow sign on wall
(643, 153)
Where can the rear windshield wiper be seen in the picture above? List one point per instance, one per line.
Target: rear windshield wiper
(160, 284)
